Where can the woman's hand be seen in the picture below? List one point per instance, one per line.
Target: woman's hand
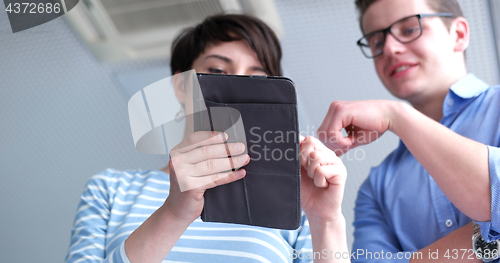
(198, 163)
(323, 177)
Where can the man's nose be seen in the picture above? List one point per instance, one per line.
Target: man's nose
(392, 46)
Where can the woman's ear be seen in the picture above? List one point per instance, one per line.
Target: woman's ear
(180, 91)
(460, 31)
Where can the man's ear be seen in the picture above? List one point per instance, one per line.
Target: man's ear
(460, 32)
(180, 91)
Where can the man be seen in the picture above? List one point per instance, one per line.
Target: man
(446, 169)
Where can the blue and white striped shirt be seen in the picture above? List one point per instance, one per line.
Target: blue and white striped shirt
(115, 203)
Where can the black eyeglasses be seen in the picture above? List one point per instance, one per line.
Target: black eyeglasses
(405, 31)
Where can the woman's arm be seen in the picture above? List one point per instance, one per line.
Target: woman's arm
(196, 164)
(88, 236)
(323, 179)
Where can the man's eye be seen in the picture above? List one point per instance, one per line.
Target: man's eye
(410, 31)
(376, 42)
(216, 71)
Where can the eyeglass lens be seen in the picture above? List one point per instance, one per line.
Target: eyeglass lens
(404, 31)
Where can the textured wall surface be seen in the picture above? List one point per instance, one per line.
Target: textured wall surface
(64, 114)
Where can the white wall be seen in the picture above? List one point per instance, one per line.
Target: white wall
(64, 115)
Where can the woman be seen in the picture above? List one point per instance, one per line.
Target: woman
(142, 216)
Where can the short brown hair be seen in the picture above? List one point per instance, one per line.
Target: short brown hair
(192, 42)
(440, 6)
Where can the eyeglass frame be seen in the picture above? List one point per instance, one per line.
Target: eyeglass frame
(388, 29)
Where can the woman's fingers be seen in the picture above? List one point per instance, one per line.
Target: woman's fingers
(314, 160)
(216, 151)
(224, 178)
(329, 174)
(203, 155)
(211, 180)
(213, 166)
(199, 138)
(322, 166)
(320, 163)
(307, 145)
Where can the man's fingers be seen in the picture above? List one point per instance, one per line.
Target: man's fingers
(330, 125)
(330, 130)
(328, 118)
(215, 151)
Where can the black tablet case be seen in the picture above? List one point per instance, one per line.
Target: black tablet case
(269, 194)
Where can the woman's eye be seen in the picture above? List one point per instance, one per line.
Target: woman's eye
(216, 71)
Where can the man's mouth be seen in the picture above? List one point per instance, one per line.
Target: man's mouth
(400, 68)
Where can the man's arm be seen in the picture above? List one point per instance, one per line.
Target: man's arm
(458, 165)
(373, 234)
(452, 247)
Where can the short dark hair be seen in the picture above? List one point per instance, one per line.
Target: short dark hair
(440, 6)
(192, 42)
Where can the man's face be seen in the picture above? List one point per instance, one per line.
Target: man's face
(416, 70)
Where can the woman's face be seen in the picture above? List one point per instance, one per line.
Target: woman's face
(233, 58)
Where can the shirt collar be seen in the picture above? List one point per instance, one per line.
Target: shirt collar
(469, 86)
(466, 88)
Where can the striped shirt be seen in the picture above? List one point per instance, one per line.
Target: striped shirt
(115, 203)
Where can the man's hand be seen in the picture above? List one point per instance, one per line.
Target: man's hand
(364, 122)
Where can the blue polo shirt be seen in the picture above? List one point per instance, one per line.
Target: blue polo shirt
(400, 209)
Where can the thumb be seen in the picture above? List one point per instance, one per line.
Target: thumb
(336, 142)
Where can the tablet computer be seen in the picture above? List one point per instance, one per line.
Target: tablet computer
(261, 112)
